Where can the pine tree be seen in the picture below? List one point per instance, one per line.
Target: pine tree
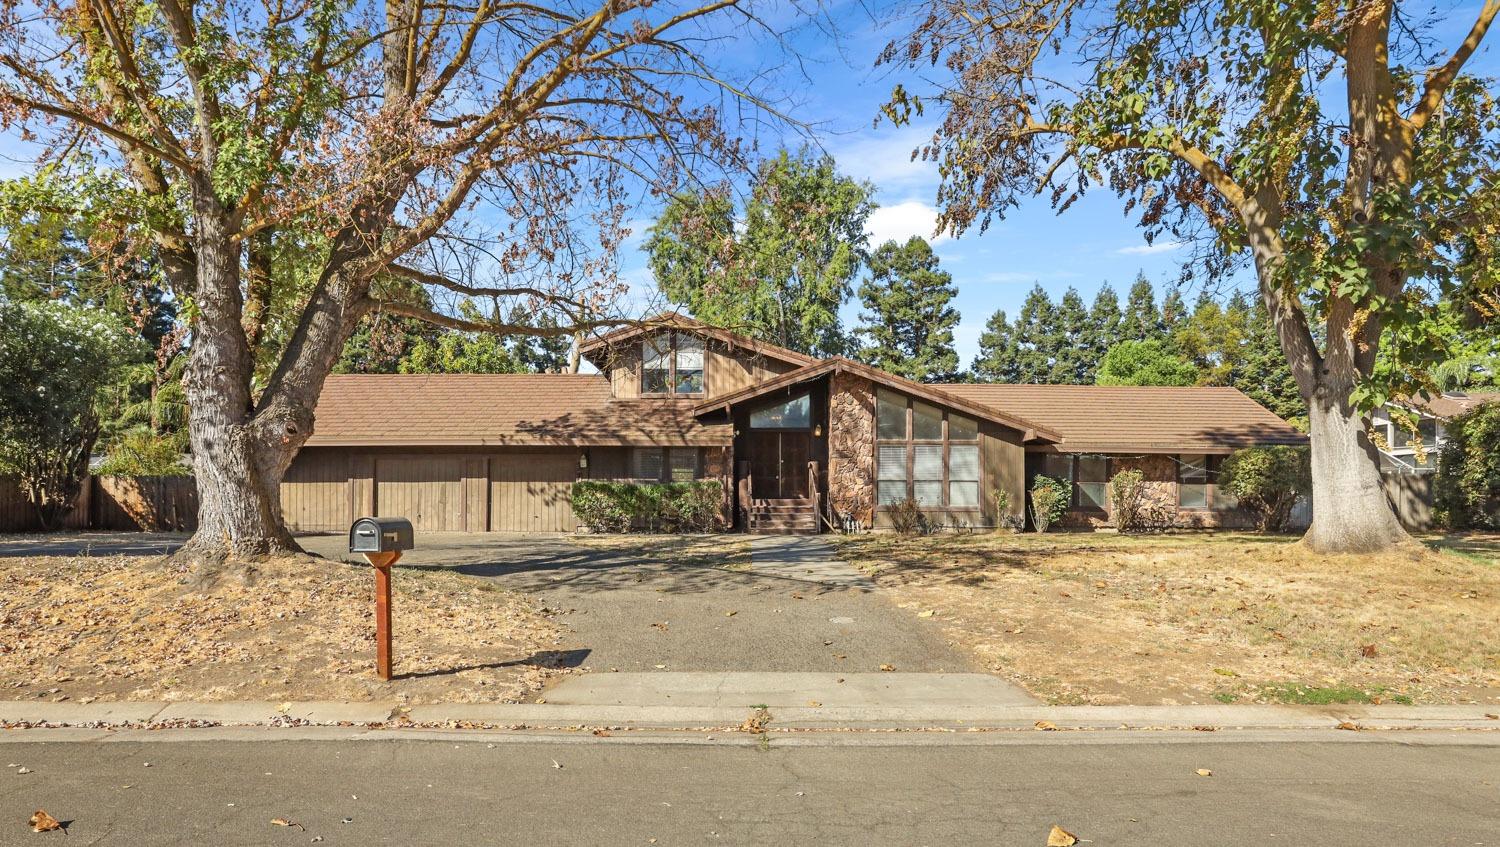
(998, 359)
(1141, 320)
(1173, 309)
(1072, 363)
(1036, 338)
(1104, 326)
(908, 326)
(1262, 372)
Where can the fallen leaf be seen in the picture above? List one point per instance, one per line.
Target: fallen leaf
(1101, 584)
(287, 822)
(1046, 726)
(1225, 672)
(926, 613)
(557, 764)
(661, 626)
(1492, 717)
(1204, 728)
(1349, 725)
(1368, 651)
(814, 703)
(602, 733)
(1203, 772)
(43, 822)
(730, 614)
(887, 668)
(1060, 837)
(23, 770)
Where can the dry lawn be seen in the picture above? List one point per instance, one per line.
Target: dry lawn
(1099, 618)
(131, 628)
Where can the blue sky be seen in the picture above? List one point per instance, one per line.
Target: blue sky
(1090, 244)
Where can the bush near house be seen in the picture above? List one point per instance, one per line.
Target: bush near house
(604, 506)
(1127, 493)
(1267, 481)
(1049, 501)
(1467, 494)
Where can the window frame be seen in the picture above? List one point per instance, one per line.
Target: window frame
(652, 342)
(1212, 463)
(909, 448)
(667, 455)
(1075, 493)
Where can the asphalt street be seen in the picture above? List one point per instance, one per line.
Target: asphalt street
(1390, 791)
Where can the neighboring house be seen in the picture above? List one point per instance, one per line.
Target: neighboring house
(1407, 461)
(792, 438)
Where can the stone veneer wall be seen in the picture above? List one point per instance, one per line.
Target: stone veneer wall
(851, 447)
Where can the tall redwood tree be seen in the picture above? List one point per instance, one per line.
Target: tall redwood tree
(484, 149)
(1343, 149)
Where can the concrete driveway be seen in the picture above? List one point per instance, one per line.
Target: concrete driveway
(640, 610)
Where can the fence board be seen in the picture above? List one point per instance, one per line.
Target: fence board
(168, 503)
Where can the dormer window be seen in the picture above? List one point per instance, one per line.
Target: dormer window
(672, 365)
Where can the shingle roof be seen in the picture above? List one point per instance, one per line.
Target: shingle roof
(933, 393)
(590, 349)
(1451, 405)
(498, 410)
(1145, 419)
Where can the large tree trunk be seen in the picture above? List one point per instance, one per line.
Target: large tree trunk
(1350, 511)
(239, 509)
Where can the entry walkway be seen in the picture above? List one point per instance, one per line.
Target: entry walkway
(804, 557)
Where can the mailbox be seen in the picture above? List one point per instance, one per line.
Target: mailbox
(380, 535)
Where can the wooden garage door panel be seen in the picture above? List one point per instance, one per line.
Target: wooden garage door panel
(529, 492)
(427, 490)
(315, 492)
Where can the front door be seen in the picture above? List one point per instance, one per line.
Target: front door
(778, 463)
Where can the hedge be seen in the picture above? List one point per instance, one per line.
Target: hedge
(603, 506)
(1467, 488)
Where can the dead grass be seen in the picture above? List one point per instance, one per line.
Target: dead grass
(130, 628)
(1102, 618)
(731, 552)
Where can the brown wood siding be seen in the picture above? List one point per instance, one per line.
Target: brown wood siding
(625, 375)
(315, 492)
(427, 490)
(1004, 461)
(529, 492)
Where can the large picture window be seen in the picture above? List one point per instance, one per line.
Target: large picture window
(672, 364)
(925, 454)
(1087, 478)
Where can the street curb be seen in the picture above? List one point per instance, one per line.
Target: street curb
(17, 715)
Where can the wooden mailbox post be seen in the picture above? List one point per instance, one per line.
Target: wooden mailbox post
(381, 540)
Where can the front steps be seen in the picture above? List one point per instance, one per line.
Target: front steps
(789, 516)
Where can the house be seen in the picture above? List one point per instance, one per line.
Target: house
(797, 442)
(1408, 460)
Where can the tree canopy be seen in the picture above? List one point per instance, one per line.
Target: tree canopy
(907, 325)
(781, 269)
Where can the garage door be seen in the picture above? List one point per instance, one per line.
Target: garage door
(427, 490)
(529, 492)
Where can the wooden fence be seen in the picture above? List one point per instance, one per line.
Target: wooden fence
(150, 503)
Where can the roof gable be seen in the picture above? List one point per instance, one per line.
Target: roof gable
(592, 349)
(924, 391)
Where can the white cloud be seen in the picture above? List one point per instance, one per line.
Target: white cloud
(883, 156)
(1150, 249)
(901, 221)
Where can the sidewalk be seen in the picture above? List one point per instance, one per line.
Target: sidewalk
(915, 717)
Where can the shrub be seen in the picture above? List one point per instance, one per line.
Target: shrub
(906, 517)
(1003, 518)
(1267, 481)
(55, 362)
(144, 454)
(1467, 487)
(604, 506)
(1127, 494)
(1049, 501)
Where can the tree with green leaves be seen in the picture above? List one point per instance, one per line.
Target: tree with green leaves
(1336, 148)
(1154, 361)
(56, 363)
(1036, 337)
(483, 150)
(1072, 360)
(998, 356)
(1104, 326)
(907, 325)
(783, 270)
(1141, 319)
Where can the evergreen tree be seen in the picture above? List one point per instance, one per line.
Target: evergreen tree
(1141, 320)
(1261, 370)
(908, 326)
(1173, 309)
(1036, 338)
(1072, 362)
(999, 358)
(783, 275)
(1104, 326)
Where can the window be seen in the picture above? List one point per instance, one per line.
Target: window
(795, 413)
(1426, 429)
(1093, 482)
(672, 363)
(1192, 482)
(684, 465)
(647, 463)
(661, 464)
(925, 454)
